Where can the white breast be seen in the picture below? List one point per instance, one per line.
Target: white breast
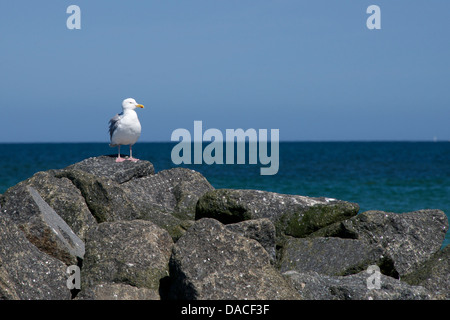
(128, 129)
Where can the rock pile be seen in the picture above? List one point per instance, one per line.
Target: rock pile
(137, 234)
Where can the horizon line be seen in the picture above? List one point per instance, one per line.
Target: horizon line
(206, 142)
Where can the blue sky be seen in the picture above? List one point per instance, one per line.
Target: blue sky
(311, 69)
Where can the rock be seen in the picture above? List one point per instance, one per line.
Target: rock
(313, 286)
(211, 262)
(261, 230)
(117, 291)
(25, 272)
(328, 256)
(175, 190)
(65, 199)
(434, 274)
(106, 200)
(130, 252)
(292, 215)
(42, 225)
(409, 239)
(120, 172)
(109, 201)
(166, 198)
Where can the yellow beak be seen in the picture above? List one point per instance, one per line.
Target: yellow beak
(139, 106)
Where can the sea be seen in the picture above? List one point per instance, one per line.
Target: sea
(389, 176)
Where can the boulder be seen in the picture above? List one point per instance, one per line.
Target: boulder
(166, 198)
(409, 239)
(434, 274)
(314, 286)
(42, 225)
(292, 215)
(106, 199)
(25, 272)
(117, 291)
(175, 190)
(129, 252)
(107, 167)
(261, 230)
(328, 256)
(211, 262)
(64, 198)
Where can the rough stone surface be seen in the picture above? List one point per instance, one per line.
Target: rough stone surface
(131, 252)
(64, 198)
(106, 200)
(313, 286)
(117, 291)
(291, 214)
(42, 225)
(25, 272)
(120, 172)
(167, 198)
(261, 230)
(175, 190)
(409, 239)
(329, 256)
(211, 262)
(434, 274)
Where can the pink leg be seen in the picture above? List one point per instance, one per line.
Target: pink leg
(131, 155)
(119, 159)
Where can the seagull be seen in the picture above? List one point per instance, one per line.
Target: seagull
(125, 128)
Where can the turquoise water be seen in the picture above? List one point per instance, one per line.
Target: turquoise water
(388, 176)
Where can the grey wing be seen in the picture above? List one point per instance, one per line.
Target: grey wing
(113, 123)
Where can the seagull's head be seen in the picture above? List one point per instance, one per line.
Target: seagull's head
(131, 104)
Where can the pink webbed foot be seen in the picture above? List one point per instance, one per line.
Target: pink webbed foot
(133, 159)
(120, 159)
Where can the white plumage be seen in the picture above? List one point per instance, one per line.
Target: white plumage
(125, 128)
